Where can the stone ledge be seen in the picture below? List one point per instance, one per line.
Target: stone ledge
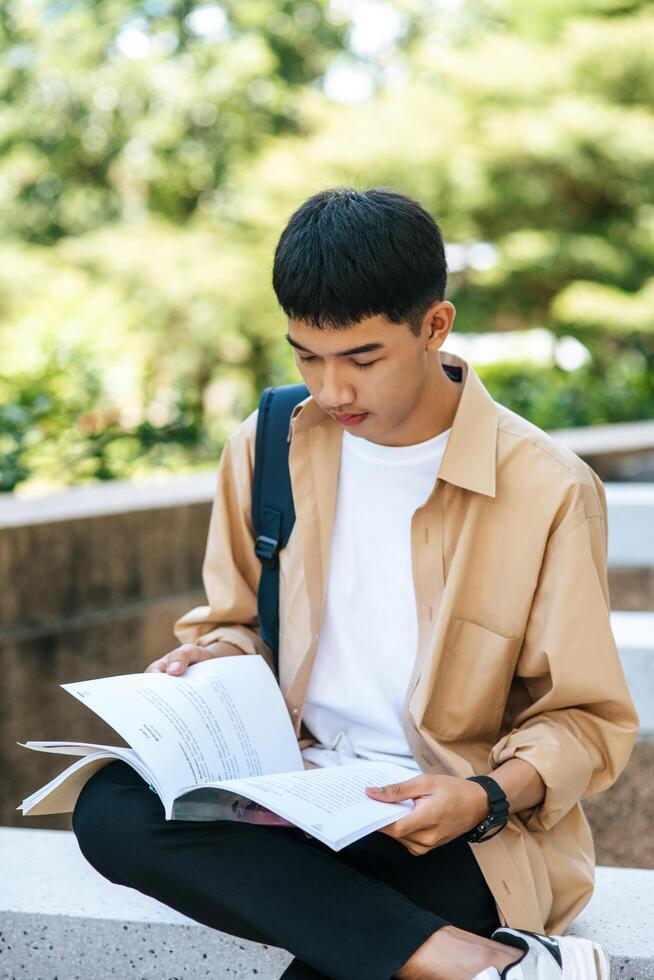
(619, 917)
(620, 817)
(631, 524)
(613, 437)
(114, 497)
(60, 919)
(631, 507)
(634, 636)
(617, 451)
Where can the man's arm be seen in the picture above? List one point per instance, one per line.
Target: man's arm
(231, 569)
(521, 782)
(580, 727)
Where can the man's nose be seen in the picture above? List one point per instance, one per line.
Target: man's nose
(335, 391)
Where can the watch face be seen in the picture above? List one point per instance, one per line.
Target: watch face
(493, 829)
(498, 816)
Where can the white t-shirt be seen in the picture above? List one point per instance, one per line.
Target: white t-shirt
(369, 636)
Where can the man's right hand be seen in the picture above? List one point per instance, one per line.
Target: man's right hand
(176, 662)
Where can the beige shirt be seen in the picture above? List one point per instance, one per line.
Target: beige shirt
(515, 651)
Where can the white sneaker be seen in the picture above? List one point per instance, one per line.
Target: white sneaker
(549, 958)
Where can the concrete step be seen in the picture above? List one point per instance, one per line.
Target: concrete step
(60, 920)
(631, 545)
(631, 524)
(620, 818)
(617, 451)
(634, 635)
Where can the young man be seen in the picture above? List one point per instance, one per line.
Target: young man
(443, 604)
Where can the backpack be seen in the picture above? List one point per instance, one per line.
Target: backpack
(273, 511)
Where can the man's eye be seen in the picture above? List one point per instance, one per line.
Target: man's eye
(358, 364)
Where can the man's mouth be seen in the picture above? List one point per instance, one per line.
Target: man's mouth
(351, 418)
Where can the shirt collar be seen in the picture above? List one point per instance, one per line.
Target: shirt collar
(469, 457)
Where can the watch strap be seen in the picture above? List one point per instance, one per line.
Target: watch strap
(495, 792)
(499, 810)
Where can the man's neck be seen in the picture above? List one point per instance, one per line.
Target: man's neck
(438, 404)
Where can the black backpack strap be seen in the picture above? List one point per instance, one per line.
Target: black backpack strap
(273, 512)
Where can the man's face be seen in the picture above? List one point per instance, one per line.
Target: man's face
(384, 381)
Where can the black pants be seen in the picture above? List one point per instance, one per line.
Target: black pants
(356, 914)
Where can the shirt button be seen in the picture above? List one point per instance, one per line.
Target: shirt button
(296, 711)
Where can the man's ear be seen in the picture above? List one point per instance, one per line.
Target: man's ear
(439, 317)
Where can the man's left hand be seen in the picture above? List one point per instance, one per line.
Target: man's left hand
(445, 807)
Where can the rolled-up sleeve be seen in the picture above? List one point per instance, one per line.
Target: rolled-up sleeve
(580, 727)
(231, 569)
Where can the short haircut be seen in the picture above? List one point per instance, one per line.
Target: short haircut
(346, 255)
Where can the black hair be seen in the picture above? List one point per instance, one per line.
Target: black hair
(346, 255)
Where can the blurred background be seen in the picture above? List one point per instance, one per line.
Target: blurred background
(151, 152)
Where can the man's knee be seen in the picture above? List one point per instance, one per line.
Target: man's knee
(108, 812)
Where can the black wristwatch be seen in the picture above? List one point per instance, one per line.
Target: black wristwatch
(499, 811)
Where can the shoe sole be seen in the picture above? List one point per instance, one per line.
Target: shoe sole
(583, 959)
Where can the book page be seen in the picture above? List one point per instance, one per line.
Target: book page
(329, 803)
(88, 749)
(70, 748)
(60, 794)
(222, 718)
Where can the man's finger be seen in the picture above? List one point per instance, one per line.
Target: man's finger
(408, 789)
(174, 662)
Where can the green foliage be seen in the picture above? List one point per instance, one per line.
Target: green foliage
(149, 160)
(51, 423)
(552, 398)
(115, 109)
(89, 389)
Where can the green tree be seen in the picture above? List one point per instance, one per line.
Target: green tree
(535, 148)
(138, 323)
(119, 108)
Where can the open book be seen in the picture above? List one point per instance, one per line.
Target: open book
(216, 742)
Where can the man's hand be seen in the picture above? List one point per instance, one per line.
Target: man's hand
(178, 660)
(445, 807)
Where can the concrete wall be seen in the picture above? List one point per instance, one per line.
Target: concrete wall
(92, 582)
(622, 451)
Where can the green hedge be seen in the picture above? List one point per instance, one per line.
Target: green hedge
(50, 431)
(553, 398)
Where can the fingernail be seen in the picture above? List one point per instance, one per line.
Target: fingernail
(176, 664)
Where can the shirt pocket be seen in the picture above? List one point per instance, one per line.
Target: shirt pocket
(472, 681)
